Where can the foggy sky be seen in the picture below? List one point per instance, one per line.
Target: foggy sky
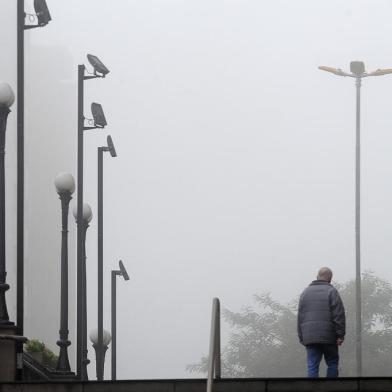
(235, 167)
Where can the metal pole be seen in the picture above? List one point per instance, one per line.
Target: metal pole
(20, 16)
(114, 325)
(85, 360)
(63, 342)
(100, 370)
(79, 219)
(213, 352)
(20, 170)
(358, 230)
(217, 342)
(4, 319)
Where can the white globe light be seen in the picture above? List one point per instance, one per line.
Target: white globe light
(94, 336)
(64, 182)
(87, 212)
(106, 337)
(7, 96)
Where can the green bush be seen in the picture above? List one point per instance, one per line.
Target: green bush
(49, 358)
(34, 346)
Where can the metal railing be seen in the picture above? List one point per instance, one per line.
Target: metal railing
(214, 355)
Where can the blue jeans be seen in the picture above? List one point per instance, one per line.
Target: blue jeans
(331, 355)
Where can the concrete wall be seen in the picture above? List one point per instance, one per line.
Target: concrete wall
(232, 385)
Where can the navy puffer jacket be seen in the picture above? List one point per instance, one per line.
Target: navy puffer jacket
(321, 317)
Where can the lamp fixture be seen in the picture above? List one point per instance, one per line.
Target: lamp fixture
(100, 69)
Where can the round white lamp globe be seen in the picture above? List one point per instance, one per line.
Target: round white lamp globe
(64, 182)
(7, 96)
(87, 212)
(106, 337)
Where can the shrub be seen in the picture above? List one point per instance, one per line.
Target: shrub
(34, 346)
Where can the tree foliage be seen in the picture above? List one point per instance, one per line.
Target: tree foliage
(264, 342)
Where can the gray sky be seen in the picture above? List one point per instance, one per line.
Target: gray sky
(235, 167)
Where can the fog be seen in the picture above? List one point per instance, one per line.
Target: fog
(235, 167)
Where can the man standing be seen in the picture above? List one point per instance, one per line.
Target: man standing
(321, 323)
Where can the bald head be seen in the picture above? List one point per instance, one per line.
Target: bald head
(324, 274)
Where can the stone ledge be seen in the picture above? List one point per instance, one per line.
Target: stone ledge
(199, 385)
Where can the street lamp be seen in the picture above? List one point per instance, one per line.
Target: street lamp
(121, 272)
(7, 98)
(43, 17)
(100, 69)
(358, 72)
(98, 121)
(109, 148)
(65, 186)
(87, 217)
(100, 350)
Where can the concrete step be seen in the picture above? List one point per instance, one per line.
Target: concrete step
(199, 385)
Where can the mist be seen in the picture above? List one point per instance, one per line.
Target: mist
(235, 168)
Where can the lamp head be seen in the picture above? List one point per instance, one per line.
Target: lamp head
(42, 12)
(112, 150)
(124, 272)
(106, 337)
(336, 71)
(380, 72)
(64, 183)
(7, 96)
(357, 68)
(98, 115)
(87, 212)
(99, 67)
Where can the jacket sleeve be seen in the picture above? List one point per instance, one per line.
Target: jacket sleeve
(299, 320)
(338, 314)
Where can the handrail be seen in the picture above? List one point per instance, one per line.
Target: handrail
(214, 356)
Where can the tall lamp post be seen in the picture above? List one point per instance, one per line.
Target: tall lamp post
(87, 217)
(357, 71)
(99, 121)
(40, 19)
(65, 186)
(120, 272)
(7, 98)
(109, 148)
(100, 350)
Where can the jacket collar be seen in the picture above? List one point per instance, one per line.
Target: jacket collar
(319, 282)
